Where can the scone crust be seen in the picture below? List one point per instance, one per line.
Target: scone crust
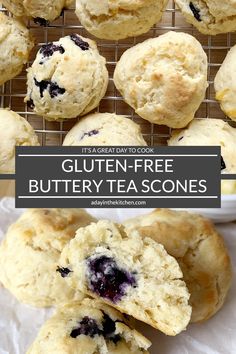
(209, 132)
(15, 46)
(14, 131)
(115, 20)
(54, 337)
(160, 298)
(164, 79)
(30, 252)
(209, 16)
(68, 81)
(48, 10)
(104, 129)
(200, 251)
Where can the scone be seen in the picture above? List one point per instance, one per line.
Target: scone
(115, 20)
(41, 10)
(206, 132)
(14, 131)
(30, 252)
(15, 46)
(200, 251)
(68, 78)
(225, 84)
(164, 79)
(131, 273)
(104, 129)
(228, 186)
(89, 327)
(210, 16)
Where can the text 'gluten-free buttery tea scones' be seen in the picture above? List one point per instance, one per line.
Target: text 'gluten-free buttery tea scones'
(89, 327)
(209, 132)
(209, 16)
(108, 19)
(199, 250)
(14, 131)
(104, 129)
(68, 78)
(30, 252)
(164, 79)
(15, 46)
(41, 10)
(131, 273)
(225, 84)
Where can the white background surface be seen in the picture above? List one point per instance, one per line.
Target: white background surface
(19, 324)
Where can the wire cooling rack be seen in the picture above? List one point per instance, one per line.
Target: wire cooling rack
(52, 133)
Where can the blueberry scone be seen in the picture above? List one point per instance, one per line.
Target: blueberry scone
(41, 10)
(209, 16)
(204, 132)
(68, 78)
(104, 129)
(199, 250)
(164, 79)
(225, 84)
(131, 273)
(89, 327)
(115, 20)
(30, 252)
(15, 46)
(14, 131)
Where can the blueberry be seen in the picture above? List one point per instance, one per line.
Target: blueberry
(41, 21)
(79, 41)
(90, 133)
(63, 271)
(108, 280)
(109, 327)
(87, 326)
(30, 103)
(195, 11)
(55, 90)
(52, 87)
(47, 50)
(223, 165)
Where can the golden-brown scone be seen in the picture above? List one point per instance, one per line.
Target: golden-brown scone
(200, 251)
(30, 252)
(164, 78)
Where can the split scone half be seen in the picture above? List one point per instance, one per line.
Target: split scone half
(133, 274)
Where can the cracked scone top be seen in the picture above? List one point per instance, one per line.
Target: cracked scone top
(209, 16)
(14, 131)
(131, 273)
(68, 78)
(104, 129)
(30, 252)
(15, 46)
(225, 84)
(200, 251)
(164, 79)
(209, 132)
(108, 19)
(89, 327)
(47, 10)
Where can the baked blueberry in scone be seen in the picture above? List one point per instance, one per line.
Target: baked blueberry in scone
(67, 79)
(89, 327)
(131, 273)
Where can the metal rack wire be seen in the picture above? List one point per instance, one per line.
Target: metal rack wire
(52, 133)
